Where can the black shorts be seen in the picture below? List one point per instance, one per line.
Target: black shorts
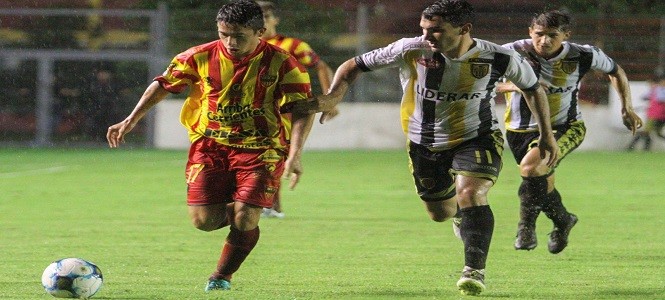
(434, 171)
(568, 137)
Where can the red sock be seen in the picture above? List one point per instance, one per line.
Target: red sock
(237, 247)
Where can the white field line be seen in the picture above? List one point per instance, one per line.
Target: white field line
(43, 171)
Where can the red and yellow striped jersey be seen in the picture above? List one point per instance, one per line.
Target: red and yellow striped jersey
(237, 102)
(298, 48)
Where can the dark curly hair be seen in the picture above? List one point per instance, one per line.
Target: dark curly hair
(455, 12)
(245, 13)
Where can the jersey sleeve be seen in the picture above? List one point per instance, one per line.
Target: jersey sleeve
(388, 56)
(295, 84)
(521, 73)
(180, 74)
(601, 61)
(306, 55)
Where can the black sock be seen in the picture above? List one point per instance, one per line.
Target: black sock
(532, 193)
(554, 209)
(476, 230)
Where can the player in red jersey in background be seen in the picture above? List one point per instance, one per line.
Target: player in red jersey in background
(239, 86)
(306, 57)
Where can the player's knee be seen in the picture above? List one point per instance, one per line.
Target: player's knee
(203, 224)
(441, 211)
(471, 196)
(532, 170)
(438, 216)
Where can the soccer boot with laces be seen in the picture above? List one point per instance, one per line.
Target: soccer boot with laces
(526, 237)
(472, 282)
(559, 236)
(217, 284)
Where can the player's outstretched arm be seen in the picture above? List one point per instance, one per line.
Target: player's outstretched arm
(537, 102)
(301, 124)
(345, 75)
(152, 95)
(620, 83)
(325, 75)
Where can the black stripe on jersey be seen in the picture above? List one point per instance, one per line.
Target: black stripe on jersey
(532, 58)
(525, 113)
(485, 112)
(433, 78)
(584, 65)
(361, 64)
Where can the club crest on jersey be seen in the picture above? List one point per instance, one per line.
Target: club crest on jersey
(568, 66)
(267, 79)
(236, 91)
(479, 70)
(429, 63)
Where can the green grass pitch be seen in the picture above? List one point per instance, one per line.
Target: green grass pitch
(354, 229)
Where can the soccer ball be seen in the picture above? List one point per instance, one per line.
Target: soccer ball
(72, 278)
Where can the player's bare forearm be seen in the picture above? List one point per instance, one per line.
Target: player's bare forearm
(344, 77)
(152, 95)
(621, 85)
(325, 75)
(301, 125)
(538, 104)
(300, 128)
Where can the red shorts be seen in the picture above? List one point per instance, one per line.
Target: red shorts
(217, 174)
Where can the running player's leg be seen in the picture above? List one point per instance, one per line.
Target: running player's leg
(568, 138)
(531, 190)
(257, 178)
(476, 165)
(434, 184)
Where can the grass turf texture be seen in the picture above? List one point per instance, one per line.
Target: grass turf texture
(354, 229)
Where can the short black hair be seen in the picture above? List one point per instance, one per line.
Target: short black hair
(553, 19)
(455, 12)
(245, 13)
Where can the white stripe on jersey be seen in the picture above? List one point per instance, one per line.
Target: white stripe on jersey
(561, 76)
(448, 101)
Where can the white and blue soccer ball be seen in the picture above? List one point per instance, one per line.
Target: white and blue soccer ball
(72, 278)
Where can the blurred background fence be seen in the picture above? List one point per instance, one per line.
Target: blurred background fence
(71, 68)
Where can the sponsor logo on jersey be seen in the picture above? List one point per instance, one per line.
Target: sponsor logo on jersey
(435, 95)
(479, 70)
(429, 63)
(234, 112)
(226, 134)
(558, 89)
(481, 60)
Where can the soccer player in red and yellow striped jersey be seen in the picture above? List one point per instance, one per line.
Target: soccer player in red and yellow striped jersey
(239, 87)
(306, 56)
